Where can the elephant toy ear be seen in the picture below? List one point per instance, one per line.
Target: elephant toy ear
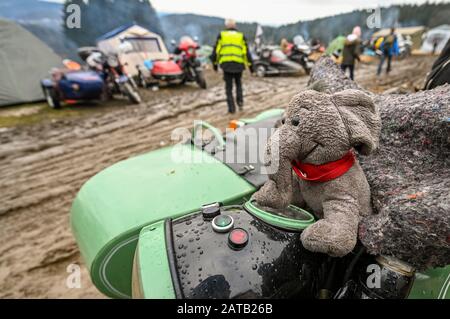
(361, 118)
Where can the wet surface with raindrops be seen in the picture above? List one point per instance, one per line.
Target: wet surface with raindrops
(273, 263)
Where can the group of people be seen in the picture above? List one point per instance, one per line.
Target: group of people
(231, 53)
(386, 48)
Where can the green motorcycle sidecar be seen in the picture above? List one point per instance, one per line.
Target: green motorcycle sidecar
(119, 217)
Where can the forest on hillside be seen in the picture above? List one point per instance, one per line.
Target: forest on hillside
(325, 29)
(46, 21)
(102, 16)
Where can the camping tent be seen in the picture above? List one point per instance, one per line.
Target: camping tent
(204, 53)
(437, 36)
(24, 61)
(335, 45)
(145, 45)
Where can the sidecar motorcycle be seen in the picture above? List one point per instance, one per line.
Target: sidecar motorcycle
(67, 85)
(178, 222)
(181, 68)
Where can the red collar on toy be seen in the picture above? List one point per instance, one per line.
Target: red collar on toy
(325, 172)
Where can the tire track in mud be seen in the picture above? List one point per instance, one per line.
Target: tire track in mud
(40, 179)
(43, 166)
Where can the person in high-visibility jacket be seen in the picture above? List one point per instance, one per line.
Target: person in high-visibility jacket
(231, 53)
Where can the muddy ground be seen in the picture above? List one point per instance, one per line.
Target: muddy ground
(46, 156)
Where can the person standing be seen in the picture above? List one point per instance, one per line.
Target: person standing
(232, 55)
(350, 53)
(388, 48)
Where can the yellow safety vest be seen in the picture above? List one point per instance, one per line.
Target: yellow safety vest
(231, 47)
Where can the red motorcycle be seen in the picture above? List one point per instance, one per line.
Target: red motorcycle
(186, 52)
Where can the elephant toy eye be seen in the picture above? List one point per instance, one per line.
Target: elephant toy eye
(283, 121)
(295, 122)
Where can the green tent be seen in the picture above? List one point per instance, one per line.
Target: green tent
(336, 44)
(24, 61)
(204, 53)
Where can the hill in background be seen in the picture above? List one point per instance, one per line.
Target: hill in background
(45, 20)
(325, 29)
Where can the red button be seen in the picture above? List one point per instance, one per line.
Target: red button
(238, 238)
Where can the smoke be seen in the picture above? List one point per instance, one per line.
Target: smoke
(304, 31)
(390, 17)
(194, 30)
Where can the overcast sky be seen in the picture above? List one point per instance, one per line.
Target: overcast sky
(272, 12)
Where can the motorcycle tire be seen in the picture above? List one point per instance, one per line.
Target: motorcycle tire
(132, 95)
(307, 69)
(260, 71)
(52, 98)
(142, 81)
(200, 79)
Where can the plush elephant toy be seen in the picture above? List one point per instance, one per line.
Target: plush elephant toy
(313, 153)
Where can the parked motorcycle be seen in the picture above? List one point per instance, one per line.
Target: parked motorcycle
(183, 67)
(270, 60)
(300, 52)
(68, 85)
(189, 63)
(112, 71)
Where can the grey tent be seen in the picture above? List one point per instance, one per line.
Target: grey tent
(24, 61)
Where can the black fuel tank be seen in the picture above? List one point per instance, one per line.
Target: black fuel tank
(257, 260)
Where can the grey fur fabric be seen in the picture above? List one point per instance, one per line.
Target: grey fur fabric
(321, 128)
(409, 175)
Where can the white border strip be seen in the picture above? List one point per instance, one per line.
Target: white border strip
(104, 264)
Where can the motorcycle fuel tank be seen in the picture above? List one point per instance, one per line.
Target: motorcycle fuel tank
(238, 255)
